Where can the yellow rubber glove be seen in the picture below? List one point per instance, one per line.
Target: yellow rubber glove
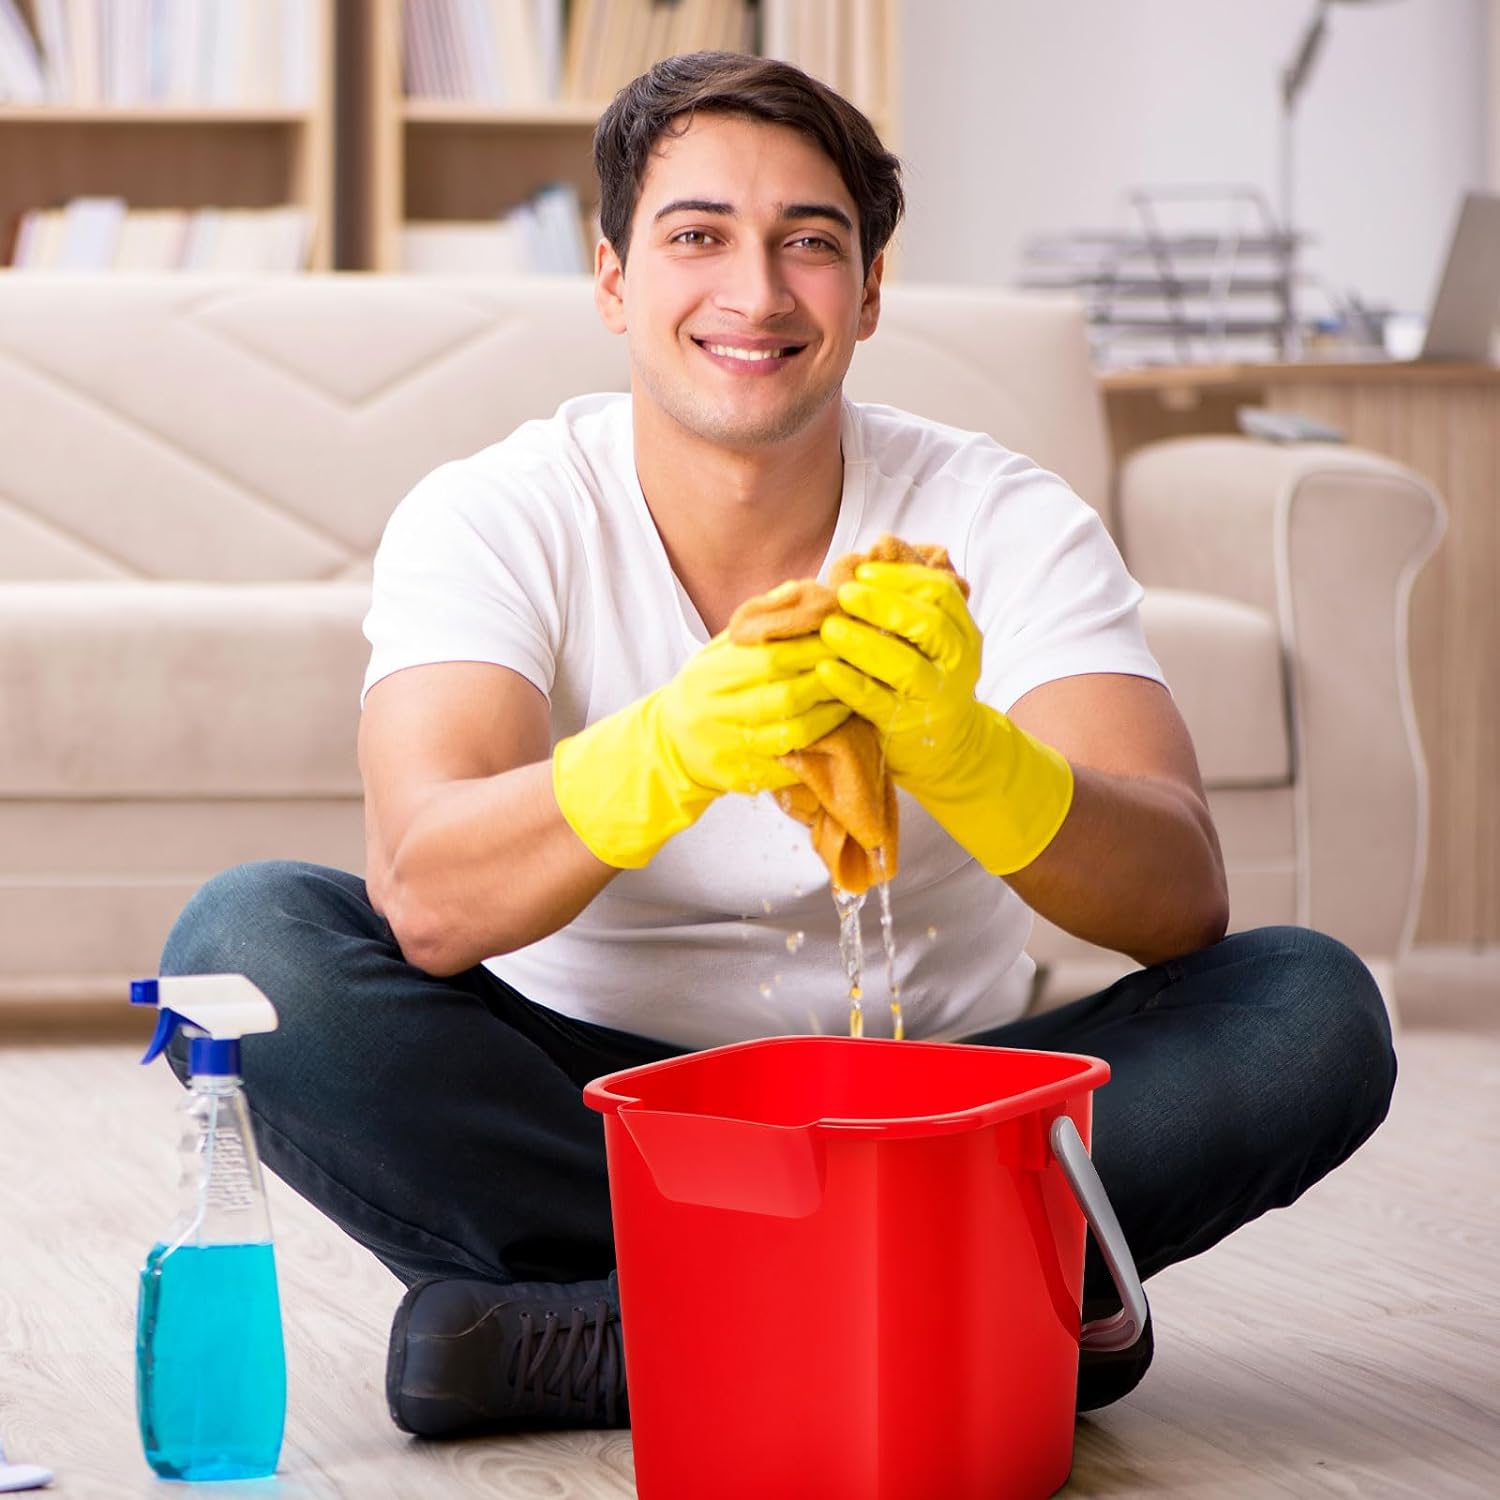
(908, 662)
(631, 780)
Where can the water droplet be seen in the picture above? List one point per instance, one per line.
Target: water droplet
(765, 990)
(795, 940)
(932, 932)
(765, 906)
(776, 979)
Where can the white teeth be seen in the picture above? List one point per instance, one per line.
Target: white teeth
(749, 354)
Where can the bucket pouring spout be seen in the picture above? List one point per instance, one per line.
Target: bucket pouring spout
(778, 1170)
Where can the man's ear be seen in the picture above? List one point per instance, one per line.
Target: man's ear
(609, 286)
(869, 308)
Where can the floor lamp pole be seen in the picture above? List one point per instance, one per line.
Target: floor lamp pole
(1293, 80)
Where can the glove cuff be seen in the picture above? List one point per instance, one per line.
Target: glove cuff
(1011, 799)
(621, 800)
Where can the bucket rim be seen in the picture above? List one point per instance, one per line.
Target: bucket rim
(611, 1093)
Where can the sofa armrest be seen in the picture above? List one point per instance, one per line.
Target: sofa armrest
(1328, 541)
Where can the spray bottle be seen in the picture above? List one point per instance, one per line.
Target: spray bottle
(210, 1362)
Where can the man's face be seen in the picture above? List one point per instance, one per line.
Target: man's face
(743, 296)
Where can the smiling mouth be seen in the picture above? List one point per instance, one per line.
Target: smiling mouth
(750, 356)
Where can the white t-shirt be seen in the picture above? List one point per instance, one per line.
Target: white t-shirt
(539, 554)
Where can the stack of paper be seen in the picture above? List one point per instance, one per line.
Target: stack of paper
(544, 235)
(103, 234)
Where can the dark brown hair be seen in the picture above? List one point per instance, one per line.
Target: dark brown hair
(663, 100)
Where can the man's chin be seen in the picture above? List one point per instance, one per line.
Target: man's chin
(752, 430)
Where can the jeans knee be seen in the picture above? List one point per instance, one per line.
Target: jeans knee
(227, 917)
(294, 929)
(227, 927)
(1340, 1016)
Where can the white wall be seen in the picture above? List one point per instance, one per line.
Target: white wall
(1020, 116)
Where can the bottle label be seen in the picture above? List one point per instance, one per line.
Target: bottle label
(229, 1184)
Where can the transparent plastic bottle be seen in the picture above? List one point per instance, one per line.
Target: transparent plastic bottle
(210, 1360)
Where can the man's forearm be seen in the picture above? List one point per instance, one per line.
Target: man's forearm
(484, 867)
(1135, 867)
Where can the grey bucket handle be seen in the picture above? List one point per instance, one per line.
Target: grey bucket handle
(1123, 1328)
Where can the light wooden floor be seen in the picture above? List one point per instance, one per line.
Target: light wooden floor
(1349, 1346)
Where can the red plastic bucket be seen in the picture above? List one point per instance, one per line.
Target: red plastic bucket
(851, 1269)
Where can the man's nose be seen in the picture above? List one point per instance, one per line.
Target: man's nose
(754, 287)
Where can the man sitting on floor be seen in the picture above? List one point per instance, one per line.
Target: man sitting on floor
(569, 871)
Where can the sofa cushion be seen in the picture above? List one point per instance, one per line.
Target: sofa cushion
(1224, 663)
(252, 690)
(180, 689)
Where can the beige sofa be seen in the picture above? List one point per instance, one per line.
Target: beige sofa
(195, 471)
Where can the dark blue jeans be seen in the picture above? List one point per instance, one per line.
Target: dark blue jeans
(440, 1122)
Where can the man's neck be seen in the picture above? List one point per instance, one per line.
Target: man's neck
(736, 522)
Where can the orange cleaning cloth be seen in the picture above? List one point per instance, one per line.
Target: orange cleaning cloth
(845, 797)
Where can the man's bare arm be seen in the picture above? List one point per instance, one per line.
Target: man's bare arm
(467, 855)
(1136, 866)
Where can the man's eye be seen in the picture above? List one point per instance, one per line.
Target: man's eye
(691, 237)
(814, 242)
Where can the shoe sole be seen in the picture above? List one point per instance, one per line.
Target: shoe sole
(395, 1361)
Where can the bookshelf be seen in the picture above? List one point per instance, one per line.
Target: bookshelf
(178, 121)
(175, 117)
(465, 152)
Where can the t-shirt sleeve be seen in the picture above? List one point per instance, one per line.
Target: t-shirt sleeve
(1050, 590)
(446, 589)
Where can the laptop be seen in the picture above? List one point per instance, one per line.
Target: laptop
(1468, 296)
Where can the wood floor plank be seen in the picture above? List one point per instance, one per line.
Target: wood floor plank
(1346, 1347)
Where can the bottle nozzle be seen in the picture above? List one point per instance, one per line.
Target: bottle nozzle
(218, 1009)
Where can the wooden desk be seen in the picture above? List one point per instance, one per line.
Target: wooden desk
(1442, 420)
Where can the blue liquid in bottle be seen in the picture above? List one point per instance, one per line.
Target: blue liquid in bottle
(210, 1365)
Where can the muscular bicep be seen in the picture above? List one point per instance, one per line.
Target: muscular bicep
(426, 728)
(1125, 726)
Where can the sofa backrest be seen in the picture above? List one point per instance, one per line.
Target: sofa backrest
(244, 428)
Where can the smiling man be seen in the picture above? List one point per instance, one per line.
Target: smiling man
(570, 872)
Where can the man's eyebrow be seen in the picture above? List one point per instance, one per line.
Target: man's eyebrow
(786, 211)
(695, 206)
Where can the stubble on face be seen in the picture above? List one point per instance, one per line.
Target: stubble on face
(691, 409)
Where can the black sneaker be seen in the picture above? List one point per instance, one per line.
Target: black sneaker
(481, 1356)
(1104, 1375)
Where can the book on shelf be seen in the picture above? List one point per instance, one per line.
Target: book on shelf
(104, 233)
(545, 235)
(91, 226)
(496, 52)
(22, 77)
(152, 239)
(612, 41)
(519, 53)
(78, 237)
(235, 53)
(459, 247)
(842, 42)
